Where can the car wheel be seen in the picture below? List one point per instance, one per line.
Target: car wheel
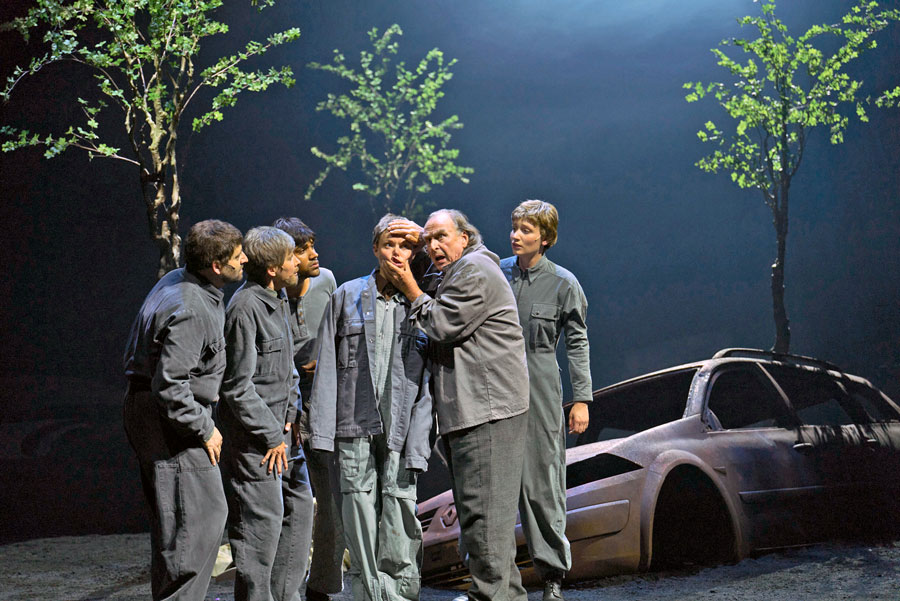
(691, 525)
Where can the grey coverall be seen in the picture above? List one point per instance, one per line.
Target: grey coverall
(270, 516)
(370, 396)
(550, 301)
(174, 361)
(325, 569)
(481, 395)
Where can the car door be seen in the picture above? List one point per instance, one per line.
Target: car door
(777, 482)
(835, 433)
(878, 473)
(880, 433)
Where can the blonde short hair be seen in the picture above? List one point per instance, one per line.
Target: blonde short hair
(266, 247)
(542, 214)
(382, 226)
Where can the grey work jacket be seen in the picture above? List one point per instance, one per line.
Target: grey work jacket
(344, 403)
(176, 350)
(479, 370)
(306, 316)
(550, 300)
(259, 392)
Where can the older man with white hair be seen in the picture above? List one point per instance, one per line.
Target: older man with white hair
(480, 393)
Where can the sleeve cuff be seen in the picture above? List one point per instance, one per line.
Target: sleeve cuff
(419, 464)
(320, 443)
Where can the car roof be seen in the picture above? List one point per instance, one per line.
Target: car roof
(739, 355)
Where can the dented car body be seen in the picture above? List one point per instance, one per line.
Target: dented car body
(711, 462)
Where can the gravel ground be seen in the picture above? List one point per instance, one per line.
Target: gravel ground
(113, 568)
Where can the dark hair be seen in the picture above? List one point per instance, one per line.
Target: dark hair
(299, 231)
(208, 241)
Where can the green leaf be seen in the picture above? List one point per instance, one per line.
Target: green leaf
(393, 144)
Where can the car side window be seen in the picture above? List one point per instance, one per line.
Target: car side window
(876, 407)
(742, 399)
(816, 397)
(638, 406)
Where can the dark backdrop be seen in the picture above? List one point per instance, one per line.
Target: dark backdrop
(577, 103)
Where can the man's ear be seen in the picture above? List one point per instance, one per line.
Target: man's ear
(466, 235)
(271, 271)
(216, 267)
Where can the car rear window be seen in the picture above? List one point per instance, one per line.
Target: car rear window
(875, 405)
(638, 406)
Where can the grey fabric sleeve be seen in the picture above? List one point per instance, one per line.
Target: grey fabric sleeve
(577, 346)
(323, 403)
(418, 443)
(458, 311)
(294, 408)
(180, 352)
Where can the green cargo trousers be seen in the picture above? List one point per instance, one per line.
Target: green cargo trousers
(381, 530)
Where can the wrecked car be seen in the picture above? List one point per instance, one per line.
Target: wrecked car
(711, 462)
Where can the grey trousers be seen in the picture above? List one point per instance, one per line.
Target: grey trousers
(269, 527)
(380, 525)
(326, 573)
(486, 476)
(542, 505)
(185, 499)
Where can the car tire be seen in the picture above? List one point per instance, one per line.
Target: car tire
(691, 524)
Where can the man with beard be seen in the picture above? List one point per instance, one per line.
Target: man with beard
(308, 298)
(174, 361)
(270, 512)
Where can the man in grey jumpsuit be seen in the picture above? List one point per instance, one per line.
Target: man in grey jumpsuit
(308, 299)
(270, 505)
(480, 392)
(371, 402)
(174, 361)
(550, 301)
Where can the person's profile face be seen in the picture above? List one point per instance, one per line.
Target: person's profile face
(308, 261)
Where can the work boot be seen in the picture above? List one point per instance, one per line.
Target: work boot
(312, 595)
(552, 591)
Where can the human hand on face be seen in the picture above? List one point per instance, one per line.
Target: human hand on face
(410, 230)
(402, 279)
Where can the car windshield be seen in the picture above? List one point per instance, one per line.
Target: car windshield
(638, 406)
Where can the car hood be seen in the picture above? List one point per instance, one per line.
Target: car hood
(576, 454)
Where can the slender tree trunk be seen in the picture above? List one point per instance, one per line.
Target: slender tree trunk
(162, 219)
(782, 324)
